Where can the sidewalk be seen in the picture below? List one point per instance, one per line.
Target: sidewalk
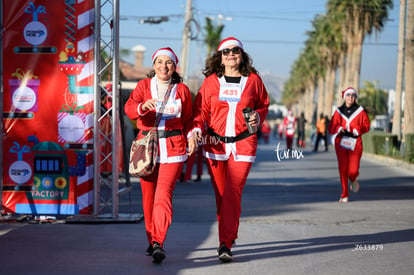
(291, 224)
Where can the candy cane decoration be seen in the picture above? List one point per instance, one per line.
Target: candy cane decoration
(85, 45)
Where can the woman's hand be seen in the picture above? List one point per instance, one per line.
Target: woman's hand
(254, 119)
(192, 146)
(197, 137)
(150, 104)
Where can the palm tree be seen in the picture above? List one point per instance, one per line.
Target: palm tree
(213, 36)
(291, 90)
(328, 41)
(409, 71)
(336, 19)
(294, 87)
(361, 17)
(396, 120)
(318, 66)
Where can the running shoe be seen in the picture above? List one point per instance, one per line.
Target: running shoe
(149, 250)
(158, 255)
(225, 254)
(344, 200)
(354, 186)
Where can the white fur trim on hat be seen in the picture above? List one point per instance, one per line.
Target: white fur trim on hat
(229, 41)
(349, 90)
(165, 51)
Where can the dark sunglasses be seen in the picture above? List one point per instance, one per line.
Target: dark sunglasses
(235, 50)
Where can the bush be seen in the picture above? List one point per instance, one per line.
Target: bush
(409, 148)
(387, 144)
(368, 143)
(381, 143)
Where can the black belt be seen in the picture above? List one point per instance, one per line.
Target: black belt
(165, 134)
(241, 136)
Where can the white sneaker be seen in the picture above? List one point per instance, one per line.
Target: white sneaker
(354, 186)
(344, 200)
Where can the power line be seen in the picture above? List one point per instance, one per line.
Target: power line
(393, 44)
(138, 18)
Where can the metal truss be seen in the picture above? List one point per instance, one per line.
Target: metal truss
(106, 185)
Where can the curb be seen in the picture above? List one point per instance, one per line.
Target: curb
(389, 160)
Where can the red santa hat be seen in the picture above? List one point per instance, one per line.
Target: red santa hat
(349, 90)
(108, 87)
(165, 51)
(229, 41)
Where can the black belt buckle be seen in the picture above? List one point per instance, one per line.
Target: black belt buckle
(228, 139)
(162, 134)
(168, 133)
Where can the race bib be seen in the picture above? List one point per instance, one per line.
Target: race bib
(348, 143)
(171, 110)
(230, 92)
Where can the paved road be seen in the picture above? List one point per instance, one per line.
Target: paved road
(291, 224)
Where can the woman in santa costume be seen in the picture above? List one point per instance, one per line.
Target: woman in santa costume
(289, 125)
(231, 85)
(348, 123)
(143, 105)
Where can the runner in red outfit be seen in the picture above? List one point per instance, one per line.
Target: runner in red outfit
(231, 85)
(142, 105)
(349, 122)
(289, 125)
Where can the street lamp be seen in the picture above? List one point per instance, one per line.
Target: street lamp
(220, 18)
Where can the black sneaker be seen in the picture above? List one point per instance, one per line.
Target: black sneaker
(149, 251)
(225, 254)
(158, 254)
(233, 243)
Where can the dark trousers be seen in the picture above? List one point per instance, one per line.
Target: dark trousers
(301, 139)
(318, 139)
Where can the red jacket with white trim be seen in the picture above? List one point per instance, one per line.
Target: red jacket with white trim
(176, 116)
(226, 118)
(357, 123)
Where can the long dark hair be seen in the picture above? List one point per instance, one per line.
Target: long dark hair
(175, 78)
(214, 66)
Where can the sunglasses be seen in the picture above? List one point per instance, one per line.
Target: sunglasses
(235, 50)
(351, 95)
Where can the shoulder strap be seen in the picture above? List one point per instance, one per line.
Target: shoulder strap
(162, 107)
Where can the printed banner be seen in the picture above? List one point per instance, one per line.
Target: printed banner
(48, 106)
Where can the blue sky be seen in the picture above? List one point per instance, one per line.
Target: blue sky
(273, 33)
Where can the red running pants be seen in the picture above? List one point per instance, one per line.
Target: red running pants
(157, 192)
(348, 165)
(228, 179)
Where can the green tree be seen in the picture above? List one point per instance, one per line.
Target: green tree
(213, 36)
(328, 42)
(373, 99)
(359, 17)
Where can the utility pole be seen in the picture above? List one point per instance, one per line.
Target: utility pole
(396, 121)
(186, 41)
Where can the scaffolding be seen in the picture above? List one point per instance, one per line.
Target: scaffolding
(107, 64)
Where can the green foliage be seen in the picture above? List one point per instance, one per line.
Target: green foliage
(213, 36)
(386, 144)
(409, 148)
(381, 143)
(373, 99)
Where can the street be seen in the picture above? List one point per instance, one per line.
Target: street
(291, 223)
